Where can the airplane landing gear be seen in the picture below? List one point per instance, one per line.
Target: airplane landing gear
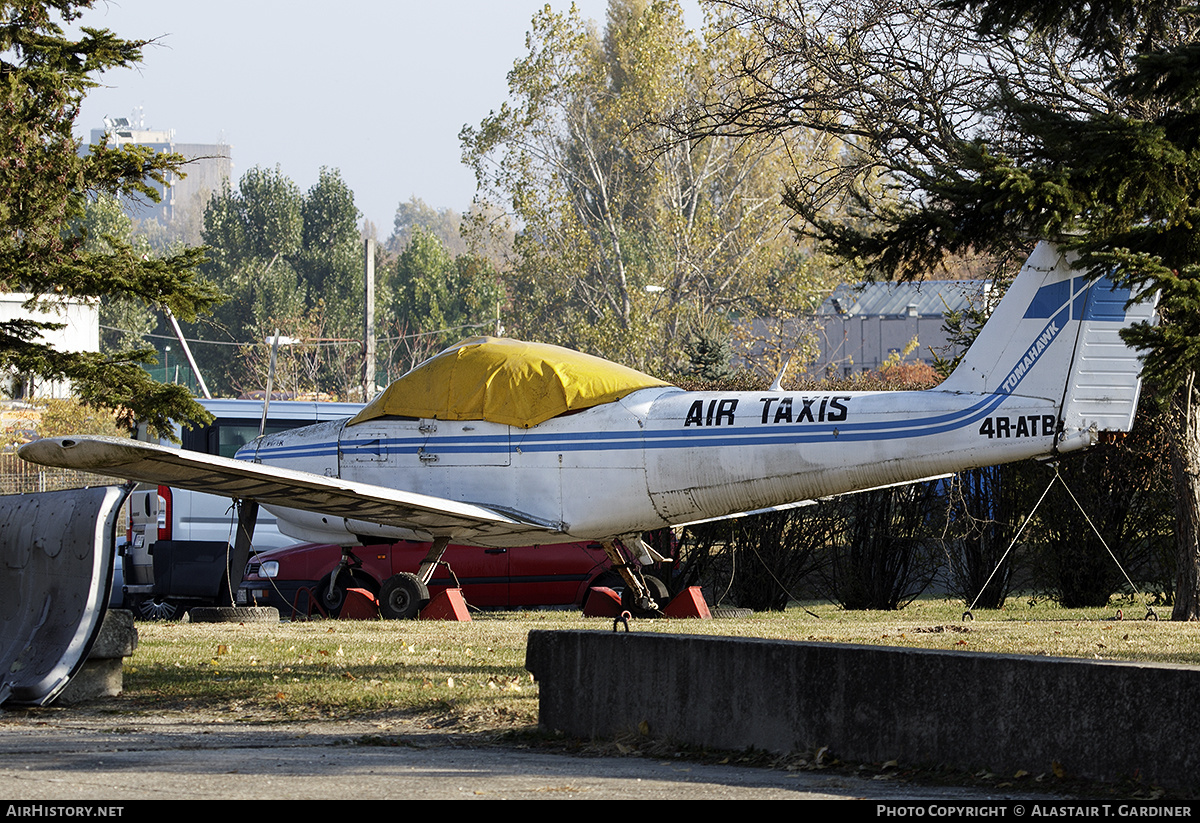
(638, 598)
(402, 597)
(658, 597)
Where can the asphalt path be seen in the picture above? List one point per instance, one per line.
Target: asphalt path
(63, 755)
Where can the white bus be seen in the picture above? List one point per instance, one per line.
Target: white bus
(177, 541)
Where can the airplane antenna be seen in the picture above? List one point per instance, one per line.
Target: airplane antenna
(777, 383)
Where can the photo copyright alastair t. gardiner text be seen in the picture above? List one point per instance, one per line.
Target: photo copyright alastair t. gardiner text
(1025, 809)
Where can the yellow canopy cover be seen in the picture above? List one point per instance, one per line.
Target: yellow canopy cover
(505, 381)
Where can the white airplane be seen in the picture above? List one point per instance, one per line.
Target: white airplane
(500, 443)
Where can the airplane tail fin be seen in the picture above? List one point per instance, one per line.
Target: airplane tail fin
(1056, 336)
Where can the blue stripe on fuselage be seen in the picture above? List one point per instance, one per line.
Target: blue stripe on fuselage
(657, 439)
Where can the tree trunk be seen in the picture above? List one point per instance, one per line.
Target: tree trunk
(1185, 474)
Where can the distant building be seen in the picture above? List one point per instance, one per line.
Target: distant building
(81, 332)
(208, 167)
(859, 326)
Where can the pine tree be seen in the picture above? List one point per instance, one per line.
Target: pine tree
(45, 185)
(1120, 185)
(708, 353)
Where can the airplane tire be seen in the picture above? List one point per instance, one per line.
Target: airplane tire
(334, 597)
(658, 590)
(402, 597)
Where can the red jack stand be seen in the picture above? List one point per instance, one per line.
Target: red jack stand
(359, 604)
(449, 605)
(602, 602)
(688, 603)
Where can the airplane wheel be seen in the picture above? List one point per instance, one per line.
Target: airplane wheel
(334, 597)
(658, 590)
(331, 597)
(402, 597)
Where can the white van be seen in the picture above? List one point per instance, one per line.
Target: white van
(177, 541)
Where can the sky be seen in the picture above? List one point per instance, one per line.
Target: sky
(378, 89)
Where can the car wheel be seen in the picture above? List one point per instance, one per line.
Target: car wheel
(608, 580)
(154, 608)
(402, 597)
(604, 580)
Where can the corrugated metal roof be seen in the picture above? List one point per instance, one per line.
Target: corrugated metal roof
(928, 297)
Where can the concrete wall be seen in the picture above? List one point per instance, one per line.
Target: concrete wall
(1099, 720)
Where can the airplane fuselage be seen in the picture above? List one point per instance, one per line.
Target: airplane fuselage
(663, 456)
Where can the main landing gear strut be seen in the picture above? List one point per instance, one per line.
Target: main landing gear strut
(637, 593)
(403, 595)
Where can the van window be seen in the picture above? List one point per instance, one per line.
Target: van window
(225, 436)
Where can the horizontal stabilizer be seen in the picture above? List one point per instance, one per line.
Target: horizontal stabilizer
(1105, 379)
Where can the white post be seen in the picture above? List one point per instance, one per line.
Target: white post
(369, 320)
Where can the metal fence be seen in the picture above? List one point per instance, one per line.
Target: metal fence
(20, 477)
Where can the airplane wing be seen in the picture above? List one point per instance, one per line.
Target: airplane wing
(152, 463)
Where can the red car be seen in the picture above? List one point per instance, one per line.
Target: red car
(552, 575)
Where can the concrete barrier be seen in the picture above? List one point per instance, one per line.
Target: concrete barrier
(102, 673)
(1097, 720)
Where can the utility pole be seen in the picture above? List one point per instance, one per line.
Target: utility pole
(369, 321)
(187, 351)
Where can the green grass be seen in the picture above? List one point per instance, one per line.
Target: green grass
(471, 676)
